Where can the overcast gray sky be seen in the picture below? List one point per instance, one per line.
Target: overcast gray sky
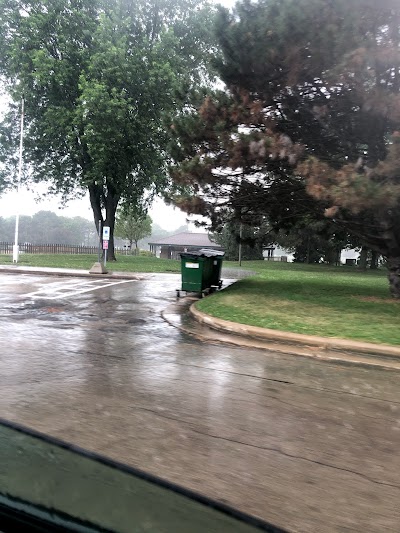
(167, 217)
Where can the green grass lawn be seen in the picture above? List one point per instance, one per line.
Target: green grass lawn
(312, 299)
(124, 263)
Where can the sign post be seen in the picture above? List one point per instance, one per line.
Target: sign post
(99, 268)
(106, 238)
(99, 251)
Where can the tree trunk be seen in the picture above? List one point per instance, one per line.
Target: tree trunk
(95, 202)
(363, 258)
(393, 265)
(110, 201)
(338, 256)
(374, 259)
(332, 257)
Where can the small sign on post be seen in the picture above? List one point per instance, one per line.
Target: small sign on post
(106, 233)
(106, 238)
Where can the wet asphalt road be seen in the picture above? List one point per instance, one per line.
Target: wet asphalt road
(306, 445)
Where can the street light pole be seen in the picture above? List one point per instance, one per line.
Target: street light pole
(15, 247)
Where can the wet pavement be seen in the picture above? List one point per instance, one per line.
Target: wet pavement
(304, 444)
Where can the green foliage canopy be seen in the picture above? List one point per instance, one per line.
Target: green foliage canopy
(132, 226)
(100, 79)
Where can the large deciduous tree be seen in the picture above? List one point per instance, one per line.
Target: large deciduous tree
(310, 123)
(99, 79)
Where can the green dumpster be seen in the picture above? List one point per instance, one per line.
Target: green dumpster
(217, 257)
(201, 270)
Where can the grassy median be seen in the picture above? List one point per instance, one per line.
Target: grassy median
(124, 263)
(337, 302)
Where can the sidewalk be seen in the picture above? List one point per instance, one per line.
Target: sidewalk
(15, 269)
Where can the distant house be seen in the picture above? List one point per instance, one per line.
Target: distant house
(170, 247)
(276, 253)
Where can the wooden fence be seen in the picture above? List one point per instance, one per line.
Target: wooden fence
(7, 248)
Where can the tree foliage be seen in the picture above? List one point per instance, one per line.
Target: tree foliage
(315, 241)
(100, 79)
(310, 122)
(133, 226)
(234, 234)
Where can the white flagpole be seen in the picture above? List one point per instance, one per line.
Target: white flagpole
(16, 247)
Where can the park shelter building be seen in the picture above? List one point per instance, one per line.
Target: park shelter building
(171, 247)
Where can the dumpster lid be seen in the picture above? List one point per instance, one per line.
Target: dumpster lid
(208, 252)
(203, 252)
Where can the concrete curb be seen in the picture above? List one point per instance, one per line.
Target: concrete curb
(325, 343)
(174, 313)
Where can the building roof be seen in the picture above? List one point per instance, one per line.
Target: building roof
(200, 240)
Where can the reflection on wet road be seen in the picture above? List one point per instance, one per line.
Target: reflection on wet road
(307, 445)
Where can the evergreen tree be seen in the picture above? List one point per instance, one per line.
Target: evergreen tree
(235, 234)
(310, 122)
